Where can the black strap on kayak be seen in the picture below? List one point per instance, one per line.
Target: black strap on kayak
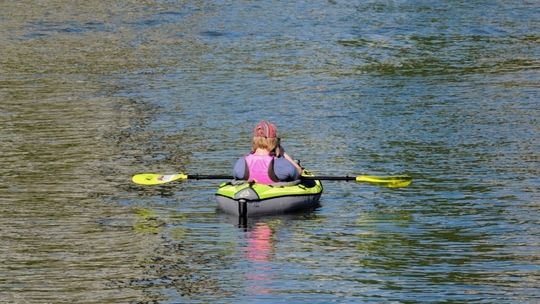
(242, 209)
(242, 213)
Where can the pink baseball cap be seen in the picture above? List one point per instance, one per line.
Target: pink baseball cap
(265, 129)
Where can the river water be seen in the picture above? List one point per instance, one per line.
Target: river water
(93, 92)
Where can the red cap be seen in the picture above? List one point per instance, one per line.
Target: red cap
(265, 129)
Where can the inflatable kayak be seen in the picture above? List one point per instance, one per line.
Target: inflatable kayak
(251, 199)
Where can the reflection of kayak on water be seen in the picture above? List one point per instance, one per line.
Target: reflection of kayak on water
(249, 199)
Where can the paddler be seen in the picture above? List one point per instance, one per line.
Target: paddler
(267, 163)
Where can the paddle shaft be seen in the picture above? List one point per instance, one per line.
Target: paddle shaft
(328, 178)
(202, 176)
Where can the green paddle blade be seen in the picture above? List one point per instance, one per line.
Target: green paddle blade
(156, 179)
(396, 181)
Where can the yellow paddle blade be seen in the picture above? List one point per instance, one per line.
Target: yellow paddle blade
(156, 179)
(396, 181)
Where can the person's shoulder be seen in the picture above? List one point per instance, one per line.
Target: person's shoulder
(284, 169)
(282, 162)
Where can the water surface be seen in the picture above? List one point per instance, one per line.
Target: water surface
(92, 93)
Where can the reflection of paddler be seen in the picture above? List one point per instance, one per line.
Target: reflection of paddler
(259, 243)
(259, 246)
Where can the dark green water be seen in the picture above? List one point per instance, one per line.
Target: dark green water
(93, 92)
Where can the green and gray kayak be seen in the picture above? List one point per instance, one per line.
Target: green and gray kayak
(252, 199)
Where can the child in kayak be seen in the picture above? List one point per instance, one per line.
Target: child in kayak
(267, 163)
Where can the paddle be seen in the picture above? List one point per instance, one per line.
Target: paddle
(395, 181)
